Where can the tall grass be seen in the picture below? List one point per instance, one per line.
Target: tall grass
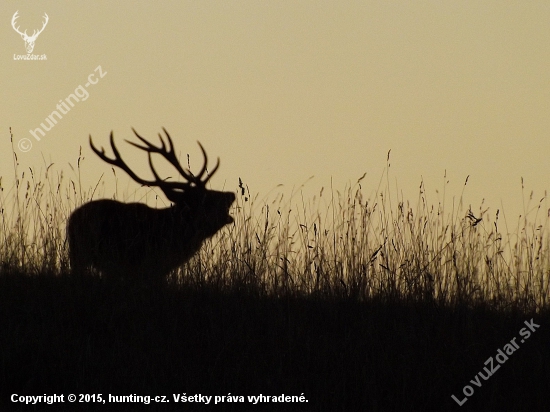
(361, 248)
(337, 244)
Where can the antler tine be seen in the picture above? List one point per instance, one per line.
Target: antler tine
(210, 174)
(188, 175)
(174, 159)
(170, 142)
(101, 153)
(149, 147)
(153, 168)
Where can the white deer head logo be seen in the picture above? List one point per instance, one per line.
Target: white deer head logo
(132, 240)
(29, 40)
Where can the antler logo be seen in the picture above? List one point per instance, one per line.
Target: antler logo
(29, 40)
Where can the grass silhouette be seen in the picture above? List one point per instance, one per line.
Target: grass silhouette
(357, 303)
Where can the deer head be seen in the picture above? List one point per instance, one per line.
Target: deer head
(29, 40)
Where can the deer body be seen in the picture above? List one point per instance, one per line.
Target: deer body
(133, 240)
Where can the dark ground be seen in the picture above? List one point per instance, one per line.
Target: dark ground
(60, 335)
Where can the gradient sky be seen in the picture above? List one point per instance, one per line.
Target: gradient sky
(285, 90)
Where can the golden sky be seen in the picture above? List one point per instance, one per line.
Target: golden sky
(285, 90)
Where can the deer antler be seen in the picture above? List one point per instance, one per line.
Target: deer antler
(168, 153)
(34, 33)
(15, 16)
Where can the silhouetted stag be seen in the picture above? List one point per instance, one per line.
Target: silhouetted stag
(133, 240)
